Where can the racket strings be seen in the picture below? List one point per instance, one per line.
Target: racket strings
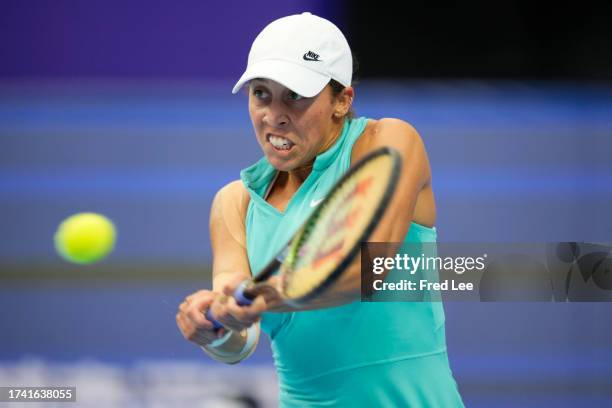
(337, 228)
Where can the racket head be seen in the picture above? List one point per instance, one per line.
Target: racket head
(330, 238)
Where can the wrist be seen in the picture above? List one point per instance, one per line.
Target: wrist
(234, 346)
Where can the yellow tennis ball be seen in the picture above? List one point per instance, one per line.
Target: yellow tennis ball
(85, 238)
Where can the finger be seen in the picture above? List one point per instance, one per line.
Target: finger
(199, 319)
(218, 308)
(245, 314)
(197, 294)
(184, 307)
(227, 312)
(198, 336)
(193, 313)
(186, 330)
(248, 314)
(204, 301)
(258, 307)
(193, 300)
(179, 322)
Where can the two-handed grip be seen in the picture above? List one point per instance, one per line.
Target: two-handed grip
(242, 299)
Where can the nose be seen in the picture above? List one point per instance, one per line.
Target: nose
(276, 116)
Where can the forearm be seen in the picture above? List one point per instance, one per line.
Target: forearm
(221, 279)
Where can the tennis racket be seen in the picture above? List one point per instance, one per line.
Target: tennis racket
(328, 241)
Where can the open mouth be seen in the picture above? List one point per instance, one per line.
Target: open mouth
(280, 143)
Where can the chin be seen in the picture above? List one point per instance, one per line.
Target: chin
(281, 165)
(279, 162)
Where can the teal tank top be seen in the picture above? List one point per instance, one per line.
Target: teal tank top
(346, 355)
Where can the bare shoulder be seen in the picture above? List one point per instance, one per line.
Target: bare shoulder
(401, 136)
(397, 127)
(234, 189)
(390, 132)
(233, 197)
(228, 213)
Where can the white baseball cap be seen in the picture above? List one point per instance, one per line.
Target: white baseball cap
(302, 52)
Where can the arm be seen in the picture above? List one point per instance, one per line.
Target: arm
(228, 234)
(230, 262)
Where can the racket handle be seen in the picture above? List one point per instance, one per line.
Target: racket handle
(215, 323)
(242, 299)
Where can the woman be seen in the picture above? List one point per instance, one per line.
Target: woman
(342, 352)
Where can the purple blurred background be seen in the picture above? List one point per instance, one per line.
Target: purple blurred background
(138, 39)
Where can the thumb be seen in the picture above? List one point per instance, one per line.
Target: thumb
(228, 290)
(203, 304)
(230, 287)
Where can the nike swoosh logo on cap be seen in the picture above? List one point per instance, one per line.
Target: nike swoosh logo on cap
(311, 56)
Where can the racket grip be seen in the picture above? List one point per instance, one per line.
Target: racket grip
(209, 316)
(241, 297)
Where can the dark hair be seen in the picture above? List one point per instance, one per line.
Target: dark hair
(337, 87)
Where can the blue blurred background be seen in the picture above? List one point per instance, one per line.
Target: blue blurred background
(124, 108)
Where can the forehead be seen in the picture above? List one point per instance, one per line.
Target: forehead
(268, 82)
(271, 84)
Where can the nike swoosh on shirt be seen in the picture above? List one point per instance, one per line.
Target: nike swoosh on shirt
(314, 203)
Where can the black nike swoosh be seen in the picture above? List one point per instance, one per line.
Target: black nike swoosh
(311, 59)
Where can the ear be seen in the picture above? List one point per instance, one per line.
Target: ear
(344, 102)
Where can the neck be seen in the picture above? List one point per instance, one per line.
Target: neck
(298, 175)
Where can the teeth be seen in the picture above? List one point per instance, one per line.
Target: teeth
(280, 142)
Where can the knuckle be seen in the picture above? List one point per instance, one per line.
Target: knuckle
(200, 320)
(195, 318)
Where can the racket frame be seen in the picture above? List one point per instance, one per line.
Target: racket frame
(248, 291)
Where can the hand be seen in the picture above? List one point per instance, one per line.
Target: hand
(191, 321)
(230, 314)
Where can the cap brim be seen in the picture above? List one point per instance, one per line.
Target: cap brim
(303, 81)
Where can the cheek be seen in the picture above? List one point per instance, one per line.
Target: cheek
(319, 118)
(252, 112)
(256, 117)
(254, 109)
(316, 123)
(256, 123)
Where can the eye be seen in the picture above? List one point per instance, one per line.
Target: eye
(294, 96)
(259, 93)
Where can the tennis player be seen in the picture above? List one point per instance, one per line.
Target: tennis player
(341, 352)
